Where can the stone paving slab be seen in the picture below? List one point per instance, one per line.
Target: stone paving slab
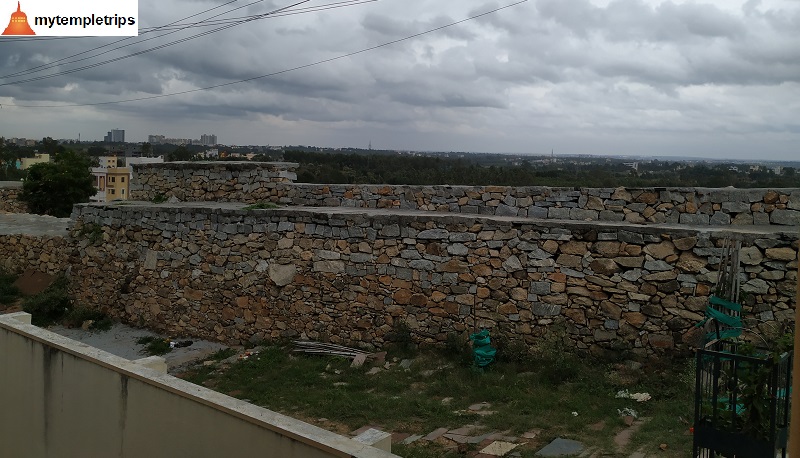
(411, 439)
(457, 438)
(499, 448)
(435, 434)
(561, 447)
(464, 430)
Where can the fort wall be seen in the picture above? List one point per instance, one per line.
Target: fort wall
(43, 253)
(608, 269)
(9, 197)
(222, 272)
(273, 182)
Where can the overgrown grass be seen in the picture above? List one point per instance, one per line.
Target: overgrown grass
(8, 292)
(158, 198)
(81, 314)
(51, 305)
(540, 392)
(92, 232)
(223, 354)
(154, 346)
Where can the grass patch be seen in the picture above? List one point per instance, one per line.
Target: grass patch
(51, 305)
(261, 206)
(225, 353)
(92, 232)
(8, 292)
(158, 198)
(154, 346)
(81, 314)
(525, 394)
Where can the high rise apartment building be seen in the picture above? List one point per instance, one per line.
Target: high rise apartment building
(208, 139)
(115, 136)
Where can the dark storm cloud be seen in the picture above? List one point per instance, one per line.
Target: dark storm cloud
(549, 72)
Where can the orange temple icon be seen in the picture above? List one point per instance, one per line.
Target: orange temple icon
(18, 25)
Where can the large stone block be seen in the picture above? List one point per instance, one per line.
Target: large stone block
(282, 274)
(785, 217)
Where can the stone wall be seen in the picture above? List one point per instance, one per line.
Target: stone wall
(44, 253)
(690, 206)
(9, 197)
(222, 181)
(350, 276)
(255, 182)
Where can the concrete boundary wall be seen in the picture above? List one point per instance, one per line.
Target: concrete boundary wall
(349, 276)
(63, 398)
(253, 182)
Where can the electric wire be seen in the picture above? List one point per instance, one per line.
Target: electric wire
(294, 11)
(267, 75)
(144, 51)
(287, 11)
(153, 29)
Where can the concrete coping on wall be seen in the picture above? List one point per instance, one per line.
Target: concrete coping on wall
(30, 224)
(10, 185)
(395, 216)
(228, 165)
(311, 435)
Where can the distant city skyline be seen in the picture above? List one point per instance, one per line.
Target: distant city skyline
(698, 78)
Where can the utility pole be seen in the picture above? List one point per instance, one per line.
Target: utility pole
(794, 420)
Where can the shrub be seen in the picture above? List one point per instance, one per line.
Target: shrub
(81, 314)
(401, 337)
(8, 292)
(159, 198)
(155, 346)
(50, 305)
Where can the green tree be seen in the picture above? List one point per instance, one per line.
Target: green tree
(181, 153)
(9, 154)
(147, 149)
(51, 147)
(52, 188)
(97, 150)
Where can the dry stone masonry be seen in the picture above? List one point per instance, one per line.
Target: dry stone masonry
(228, 181)
(609, 270)
(350, 276)
(255, 182)
(9, 197)
(20, 252)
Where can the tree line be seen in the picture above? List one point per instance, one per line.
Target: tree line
(319, 167)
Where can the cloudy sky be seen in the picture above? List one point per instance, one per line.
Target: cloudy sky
(707, 78)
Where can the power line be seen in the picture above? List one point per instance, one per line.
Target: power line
(295, 11)
(286, 11)
(97, 64)
(51, 64)
(300, 67)
(16, 40)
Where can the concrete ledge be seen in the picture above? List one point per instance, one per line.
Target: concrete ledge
(47, 381)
